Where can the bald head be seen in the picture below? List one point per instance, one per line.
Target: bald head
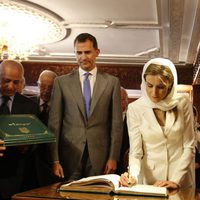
(46, 74)
(11, 64)
(45, 82)
(11, 74)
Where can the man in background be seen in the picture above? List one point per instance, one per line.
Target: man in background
(17, 164)
(45, 84)
(86, 117)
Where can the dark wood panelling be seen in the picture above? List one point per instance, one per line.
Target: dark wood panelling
(129, 75)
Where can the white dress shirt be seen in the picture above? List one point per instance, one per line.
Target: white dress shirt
(92, 78)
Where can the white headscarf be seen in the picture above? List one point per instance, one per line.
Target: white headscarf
(172, 99)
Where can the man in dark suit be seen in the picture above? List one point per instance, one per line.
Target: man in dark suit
(15, 165)
(45, 84)
(86, 117)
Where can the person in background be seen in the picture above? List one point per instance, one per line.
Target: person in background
(197, 155)
(123, 162)
(17, 165)
(160, 127)
(86, 117)
(2, 147)
(45, 84)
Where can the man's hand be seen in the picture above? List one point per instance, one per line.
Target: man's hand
(2, 147)
(111, 167)
(58, 170)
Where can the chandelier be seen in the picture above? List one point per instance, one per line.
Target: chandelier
(25, 26)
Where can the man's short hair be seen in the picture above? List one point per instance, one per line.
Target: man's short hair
(84, 37)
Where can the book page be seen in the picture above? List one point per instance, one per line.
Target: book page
(110, 183)
(111, 180)
(143, 189)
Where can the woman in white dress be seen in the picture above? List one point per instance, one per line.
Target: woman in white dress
(160, 126)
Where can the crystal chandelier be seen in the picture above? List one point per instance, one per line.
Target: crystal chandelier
(25, 26)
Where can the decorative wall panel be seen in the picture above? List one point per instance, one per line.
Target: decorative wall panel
(129, 75)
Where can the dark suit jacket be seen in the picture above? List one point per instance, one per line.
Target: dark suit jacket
(102, 131)
(42, 116)
(14, 163)
(44, 172)
(123, 162)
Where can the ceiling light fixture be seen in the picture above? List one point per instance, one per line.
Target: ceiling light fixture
(24, 26)
(84, 24)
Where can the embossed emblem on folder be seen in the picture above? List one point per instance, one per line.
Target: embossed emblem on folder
(24, 130)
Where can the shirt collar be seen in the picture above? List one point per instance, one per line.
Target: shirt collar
(42, 102)
(11, 97)
(93, 72)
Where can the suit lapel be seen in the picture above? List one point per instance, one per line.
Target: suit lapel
(170, 119)
(75, 88)
(17, 104)
(99, 87)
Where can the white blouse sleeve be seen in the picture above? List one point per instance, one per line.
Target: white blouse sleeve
(188, 154)
(135, 139)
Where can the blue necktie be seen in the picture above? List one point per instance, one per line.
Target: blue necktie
(87, 93)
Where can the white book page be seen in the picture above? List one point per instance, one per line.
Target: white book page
(139, 188)
(114, 178)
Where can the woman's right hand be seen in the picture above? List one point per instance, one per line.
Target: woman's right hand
(58, 170)
(127, 180)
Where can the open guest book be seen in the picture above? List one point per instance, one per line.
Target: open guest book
(24, 129)
(110, 184)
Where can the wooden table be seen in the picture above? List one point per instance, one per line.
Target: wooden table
(50, 192)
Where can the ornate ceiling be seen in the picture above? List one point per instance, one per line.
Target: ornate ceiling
(127, 31)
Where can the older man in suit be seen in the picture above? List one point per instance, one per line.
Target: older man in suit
(16, 162)
(86, 117)
(45, 84)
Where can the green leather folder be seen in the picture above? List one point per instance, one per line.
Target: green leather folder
(24, 129)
